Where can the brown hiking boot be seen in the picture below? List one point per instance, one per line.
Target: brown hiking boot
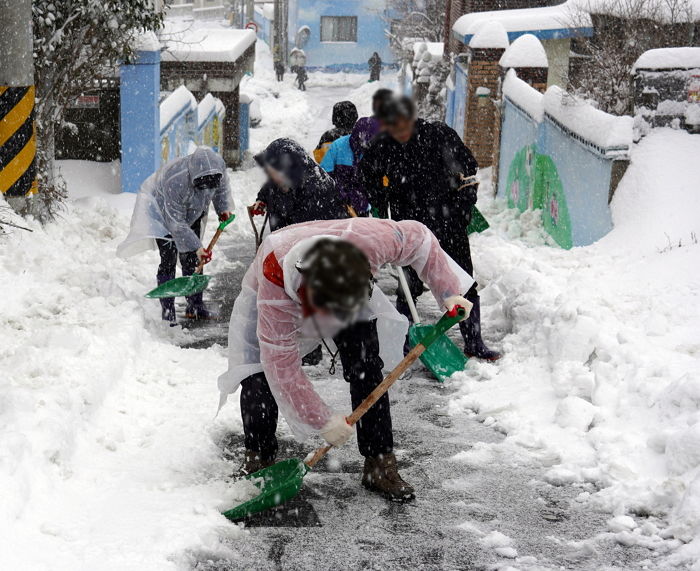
(381, 475)
(252, 462)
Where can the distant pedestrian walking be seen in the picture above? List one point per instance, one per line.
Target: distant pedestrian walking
(279, 70)
(375, 67)
(302, 76)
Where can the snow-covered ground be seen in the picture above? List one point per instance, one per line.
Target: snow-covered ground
(110, 451)
(601, 374)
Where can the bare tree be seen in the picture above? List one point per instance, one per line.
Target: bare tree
(624, 29)
(421, 20)
(75, 43)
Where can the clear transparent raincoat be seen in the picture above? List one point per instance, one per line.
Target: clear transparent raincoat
(168, 204)
(268, 331)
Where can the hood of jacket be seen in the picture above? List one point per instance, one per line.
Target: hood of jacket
(288, 158)
(344, 115)
(205, 162)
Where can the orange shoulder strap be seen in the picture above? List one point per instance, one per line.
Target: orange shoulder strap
(272, 270)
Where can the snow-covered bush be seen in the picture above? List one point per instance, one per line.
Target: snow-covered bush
(624, 29)
(75, 43)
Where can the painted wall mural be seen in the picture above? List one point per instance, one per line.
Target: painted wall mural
(547, 168)
(533, 184)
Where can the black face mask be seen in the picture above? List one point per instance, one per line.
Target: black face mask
(207, 182)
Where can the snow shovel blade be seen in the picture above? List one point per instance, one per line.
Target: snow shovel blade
(443, 358)
(189, 285)
(178, 287)
(278, 483)
(478, 223)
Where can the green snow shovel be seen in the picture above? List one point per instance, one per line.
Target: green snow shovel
(443, 358)
(189, 285)
(477, 223)
(282, 481)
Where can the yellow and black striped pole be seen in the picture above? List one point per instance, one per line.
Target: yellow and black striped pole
(17, 136)
(17, 141)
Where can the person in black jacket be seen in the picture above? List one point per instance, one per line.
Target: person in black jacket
(344, 119)
(432, 179)
(375, 67)
(297, 189)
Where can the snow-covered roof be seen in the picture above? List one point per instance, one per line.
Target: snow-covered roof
(525, 51)
(550, 22)
(669, 58)
(491, 35)
(146, 42)
(183, 43)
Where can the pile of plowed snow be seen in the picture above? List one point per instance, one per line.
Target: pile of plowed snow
(601, 374)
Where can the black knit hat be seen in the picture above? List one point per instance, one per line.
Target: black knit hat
(393, 109)
(337, 275)
(344, 115)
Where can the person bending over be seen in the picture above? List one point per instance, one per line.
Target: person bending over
(313, 281)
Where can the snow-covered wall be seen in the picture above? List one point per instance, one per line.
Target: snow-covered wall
(186, 124)
(341, 55)
(563, 156)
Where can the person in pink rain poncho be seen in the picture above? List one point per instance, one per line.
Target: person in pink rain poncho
(314, 281)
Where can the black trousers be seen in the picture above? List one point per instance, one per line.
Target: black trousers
(457, 247)
(168, 264)
(358, 348)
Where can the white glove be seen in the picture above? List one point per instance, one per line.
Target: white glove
(337, 431)
(455, 300)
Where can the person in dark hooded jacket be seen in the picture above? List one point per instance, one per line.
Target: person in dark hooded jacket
(375, 67)
(341, 162)
(344, 119)
(297, 189)
(432, 179)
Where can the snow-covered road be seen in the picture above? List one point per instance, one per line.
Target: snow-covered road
(489, 512)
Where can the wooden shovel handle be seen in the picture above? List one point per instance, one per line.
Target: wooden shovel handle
(446, 322)
(372, 398)
(213, 242)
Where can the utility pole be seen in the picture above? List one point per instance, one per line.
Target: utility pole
(280, 18)
(17, 137)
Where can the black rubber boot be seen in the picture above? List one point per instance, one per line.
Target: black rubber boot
(313, 358)
(252, 462)
(403, 309)
(167, 304)
(381, 475)
(474, 345)
(167, 313)
(196, 309)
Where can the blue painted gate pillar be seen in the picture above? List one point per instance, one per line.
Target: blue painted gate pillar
(140, 119)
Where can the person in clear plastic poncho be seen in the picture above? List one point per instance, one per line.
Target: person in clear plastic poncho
(311, 281)
(170, 213)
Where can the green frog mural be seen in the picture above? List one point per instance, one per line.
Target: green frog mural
(533, 183)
